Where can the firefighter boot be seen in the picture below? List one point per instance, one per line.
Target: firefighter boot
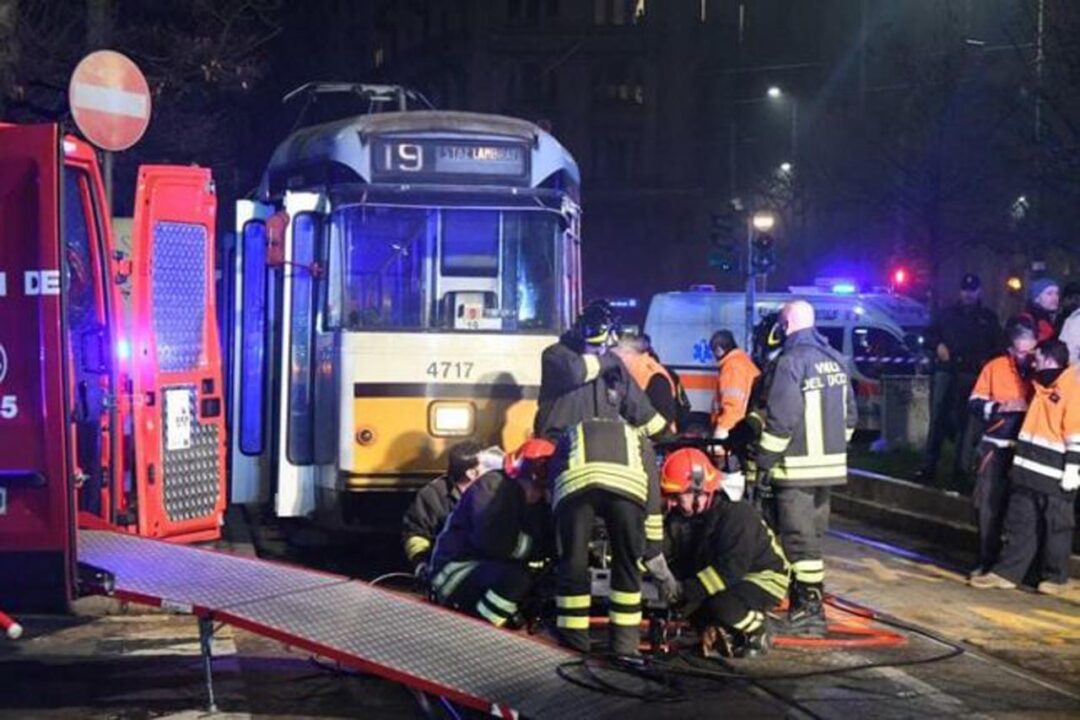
(625, 639)
(806, 616)
(716, 643)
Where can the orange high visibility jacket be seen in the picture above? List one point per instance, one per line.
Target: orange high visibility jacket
(644, 370)
(999, 381)
(733, 385)
(1049, 444)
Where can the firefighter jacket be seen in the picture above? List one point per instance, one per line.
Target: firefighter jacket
(575, 386)
(656, 382)
(734, 384)
(610, 455)
(1048, 448)
(426, 517)
(727, 544)
(493, 522)
(810, 414)
(1000, 381)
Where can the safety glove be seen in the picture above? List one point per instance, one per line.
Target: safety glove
(665, 580)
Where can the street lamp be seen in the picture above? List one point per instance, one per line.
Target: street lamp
(763, 221)
(785, 167)
(774, 92)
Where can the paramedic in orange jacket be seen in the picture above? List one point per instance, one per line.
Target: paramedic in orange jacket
(1044, 479)
(999, 399)
(734, 383)
(651, 376)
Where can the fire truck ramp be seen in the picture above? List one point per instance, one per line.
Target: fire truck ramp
(372, 630)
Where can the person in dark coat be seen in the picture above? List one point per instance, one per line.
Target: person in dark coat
(964, 336)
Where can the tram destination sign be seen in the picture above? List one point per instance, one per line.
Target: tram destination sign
(438, 160)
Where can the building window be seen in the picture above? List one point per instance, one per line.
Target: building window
(379, 57)
(620, 84)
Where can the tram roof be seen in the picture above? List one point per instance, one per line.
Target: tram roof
(342, 148)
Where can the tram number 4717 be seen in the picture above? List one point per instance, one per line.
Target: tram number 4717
(442, 370)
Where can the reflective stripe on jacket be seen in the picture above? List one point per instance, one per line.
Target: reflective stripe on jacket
(733, 387)
(810, 414)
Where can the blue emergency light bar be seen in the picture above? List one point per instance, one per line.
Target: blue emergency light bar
(844, 288)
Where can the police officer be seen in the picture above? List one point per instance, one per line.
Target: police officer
(732, 566)
(963, 337)
(999, 400)
(581, 379)
(480, 564)
(603, 468)
(810, 415)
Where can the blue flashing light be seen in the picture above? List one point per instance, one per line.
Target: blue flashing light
(844, 289)
(123, 349)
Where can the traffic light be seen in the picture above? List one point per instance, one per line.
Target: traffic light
(721, 226)
(900, 277)
(764, 255)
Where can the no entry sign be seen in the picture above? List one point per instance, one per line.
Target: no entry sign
(109, 100)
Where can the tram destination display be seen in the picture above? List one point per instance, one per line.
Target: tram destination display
(433, 160)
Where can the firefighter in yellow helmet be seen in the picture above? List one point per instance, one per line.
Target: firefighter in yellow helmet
(732, 566)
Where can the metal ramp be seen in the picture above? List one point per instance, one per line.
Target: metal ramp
(376, 631)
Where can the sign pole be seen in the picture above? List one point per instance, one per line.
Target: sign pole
(750, 283)
(107, 177)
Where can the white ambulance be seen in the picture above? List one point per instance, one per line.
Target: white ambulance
(878, 332)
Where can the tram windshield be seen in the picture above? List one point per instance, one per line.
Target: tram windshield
(416, 269)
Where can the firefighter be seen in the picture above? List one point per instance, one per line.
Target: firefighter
(1044, 478)
(809, 417)
(603, 468)
(480, 564)
(433, 503)
(580, 379)
(650, 376)
(999, 400)
(734, 385)
(734, 568)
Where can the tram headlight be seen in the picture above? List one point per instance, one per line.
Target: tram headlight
(450, 419)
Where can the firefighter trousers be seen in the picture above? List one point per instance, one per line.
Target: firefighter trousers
(625, 523)
(741, 607)
(488, 589)
(802, 517)
(990, 498)
(1037, 527)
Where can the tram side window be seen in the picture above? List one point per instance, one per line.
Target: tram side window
(253, 338)
(301, 434)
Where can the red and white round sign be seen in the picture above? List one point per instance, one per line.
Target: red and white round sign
(109, 100)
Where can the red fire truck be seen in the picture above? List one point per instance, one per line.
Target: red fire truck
(111, 399)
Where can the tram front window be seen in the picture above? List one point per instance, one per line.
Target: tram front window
(449, 269)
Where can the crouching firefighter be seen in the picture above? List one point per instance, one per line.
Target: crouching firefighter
(733, 567)
(606, 469)
(810, 415)
(481, 562)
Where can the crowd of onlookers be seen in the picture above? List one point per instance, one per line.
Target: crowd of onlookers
(1010, 399)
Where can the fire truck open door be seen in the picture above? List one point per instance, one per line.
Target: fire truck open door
(178, 410)
(36, 492)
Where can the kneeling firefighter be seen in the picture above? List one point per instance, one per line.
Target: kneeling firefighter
(502, 523)
(734, 568)
(604, 468)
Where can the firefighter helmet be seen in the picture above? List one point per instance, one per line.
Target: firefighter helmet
(535, 453)
(598, 324)
(689, 470)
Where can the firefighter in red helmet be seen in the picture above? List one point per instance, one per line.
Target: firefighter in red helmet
(733, 568)
(481, 562)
